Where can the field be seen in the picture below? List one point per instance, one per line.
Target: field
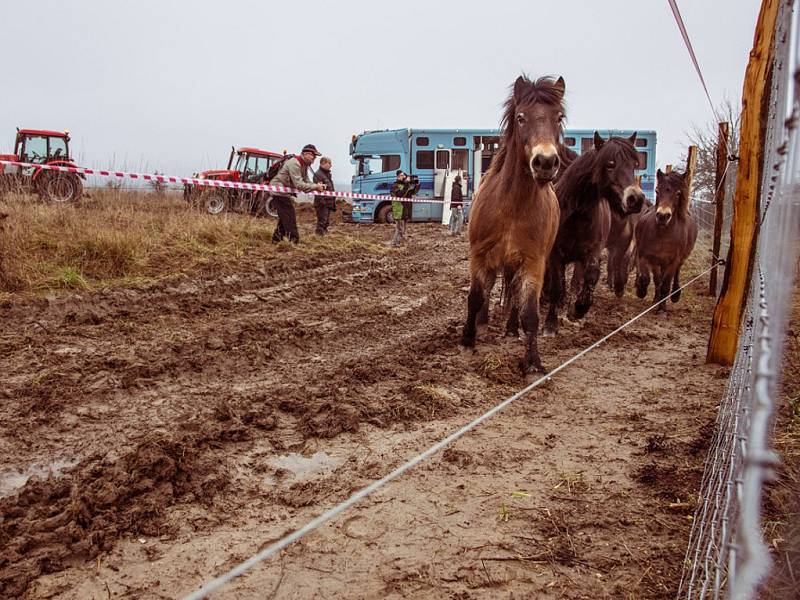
(178, 392)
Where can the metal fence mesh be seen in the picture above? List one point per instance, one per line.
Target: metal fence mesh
(726, 556)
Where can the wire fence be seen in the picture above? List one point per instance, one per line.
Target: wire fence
(726, 556)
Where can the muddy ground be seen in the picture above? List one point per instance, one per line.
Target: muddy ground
(154, 436)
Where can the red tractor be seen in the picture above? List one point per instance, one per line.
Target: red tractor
(251, 166)
(41, 147)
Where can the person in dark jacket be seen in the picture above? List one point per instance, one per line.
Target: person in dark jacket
(456, 207)
(403, 187)
(324, 205)
(293, 174)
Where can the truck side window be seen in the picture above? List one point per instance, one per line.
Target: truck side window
(390, 162)
(424, 159)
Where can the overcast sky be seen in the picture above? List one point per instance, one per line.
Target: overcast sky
(172, 85)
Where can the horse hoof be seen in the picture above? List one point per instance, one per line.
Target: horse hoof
(532, 371)
(549, 332)
(466, 350)
(676, 296)
(510, 333)
(467, 342)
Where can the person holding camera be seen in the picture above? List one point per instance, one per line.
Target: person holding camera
(293, 174)
(404, 186)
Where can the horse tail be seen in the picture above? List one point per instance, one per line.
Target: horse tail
(507, 290)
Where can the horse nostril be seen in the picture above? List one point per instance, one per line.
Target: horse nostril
(537, 162)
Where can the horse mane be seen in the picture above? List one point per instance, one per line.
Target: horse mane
(678, 180)
(577, 187)
(544, 91)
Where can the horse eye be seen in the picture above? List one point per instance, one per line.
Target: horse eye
(521, 119)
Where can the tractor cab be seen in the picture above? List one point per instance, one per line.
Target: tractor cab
(40, 146)
(252, 164)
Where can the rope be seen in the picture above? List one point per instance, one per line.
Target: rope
(276, 547)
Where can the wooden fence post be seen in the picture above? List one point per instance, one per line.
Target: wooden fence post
(727, 321)
(691, 167)
(719, 200)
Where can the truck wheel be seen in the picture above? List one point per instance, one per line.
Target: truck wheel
(54, 186)
(215, 201)
(384, 214)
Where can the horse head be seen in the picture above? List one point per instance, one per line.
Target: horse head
(533, 124)
(672, 197)
(614, 173)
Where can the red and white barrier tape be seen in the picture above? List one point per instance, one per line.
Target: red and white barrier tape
(212, 182)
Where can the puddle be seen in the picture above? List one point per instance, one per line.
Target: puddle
(12, 480)
(301, 467)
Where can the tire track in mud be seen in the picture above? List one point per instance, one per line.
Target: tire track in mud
(213, 347)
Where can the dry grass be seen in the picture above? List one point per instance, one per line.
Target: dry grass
(118, 237)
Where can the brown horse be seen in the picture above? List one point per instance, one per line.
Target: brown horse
(600, 182)
(665, 236)
(514, 219)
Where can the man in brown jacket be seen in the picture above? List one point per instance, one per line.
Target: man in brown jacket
(293, 174)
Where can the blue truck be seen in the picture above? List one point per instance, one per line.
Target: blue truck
(432, 154)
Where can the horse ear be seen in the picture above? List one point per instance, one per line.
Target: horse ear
(632, 139)
(659, 175)
(598, 141)
(519, 86)
(560, 86)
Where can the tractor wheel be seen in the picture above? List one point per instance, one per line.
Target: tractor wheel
(215, 201)
(54, 186)
(271, 211)
(385, 214)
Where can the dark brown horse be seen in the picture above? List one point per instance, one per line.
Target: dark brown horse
(599, 182)
(665, 236)
(514, 218)
(621, 250)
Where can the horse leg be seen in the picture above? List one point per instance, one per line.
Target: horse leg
(576, 282)
(676, 283)
(621, 269)
(478, 296)
(529, 302)
(483, 314)
(611, 268)
(659, 276)
(591, 275)
(642, 278)
(511, 293)
(555, 279)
